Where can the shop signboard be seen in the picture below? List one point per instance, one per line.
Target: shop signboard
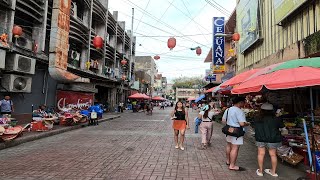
(218, 45)
(248, 23)
(283, 8)
(73, 99)
(209, 76)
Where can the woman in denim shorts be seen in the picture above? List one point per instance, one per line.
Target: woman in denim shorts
(268, 135)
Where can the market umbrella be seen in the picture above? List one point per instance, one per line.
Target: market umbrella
(210, 90)
(239, 78)
(158, 98)
(137, 96)
(310, 62)
(200, 98)
(191, 99)
(146, 96)
(281, 79)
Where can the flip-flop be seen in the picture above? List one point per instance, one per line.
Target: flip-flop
(240, 169)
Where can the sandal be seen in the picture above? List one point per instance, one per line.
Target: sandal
(240, 169)
(259, 173)
(177, 146)
(268, 171)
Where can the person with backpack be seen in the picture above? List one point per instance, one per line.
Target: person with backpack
(6, 105)
(267, 134)
(207, 116)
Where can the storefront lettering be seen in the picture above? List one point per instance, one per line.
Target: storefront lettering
(62, 104)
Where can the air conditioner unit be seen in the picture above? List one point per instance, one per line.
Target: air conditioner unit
(75, 55)
(16, 83)
(116, 73)
(24, 43)
(74, 9)
(20, 63)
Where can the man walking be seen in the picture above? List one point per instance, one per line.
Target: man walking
(6, 105)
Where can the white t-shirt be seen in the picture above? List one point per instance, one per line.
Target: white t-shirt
(235, 115)
(210, 115)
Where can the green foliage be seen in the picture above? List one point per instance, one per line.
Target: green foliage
(188, 82)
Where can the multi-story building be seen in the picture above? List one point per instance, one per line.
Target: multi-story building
(182, 94)
(145, 72)
(276, 31)
(55, 61)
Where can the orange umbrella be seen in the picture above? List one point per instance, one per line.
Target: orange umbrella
(137, 96)
(239, 78)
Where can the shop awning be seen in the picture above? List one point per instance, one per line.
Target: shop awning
(228, 76)
(220, 90)
(210, 90)
(200, 98)
(158, 98)
(138, 96)
(239, 78)
(287, 75)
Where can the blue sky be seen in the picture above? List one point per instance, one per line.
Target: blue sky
(189, 21)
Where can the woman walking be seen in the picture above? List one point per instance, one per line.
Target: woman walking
(180, 123)
(268, 135)
(207, 116)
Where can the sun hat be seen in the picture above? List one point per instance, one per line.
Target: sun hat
(267, 106)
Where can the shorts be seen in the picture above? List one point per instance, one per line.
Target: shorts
(235, 140)
(268, 145)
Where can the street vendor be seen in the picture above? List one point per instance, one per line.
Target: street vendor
(6, 105)
(42, 111)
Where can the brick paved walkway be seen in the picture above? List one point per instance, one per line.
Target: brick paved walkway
(135, 146)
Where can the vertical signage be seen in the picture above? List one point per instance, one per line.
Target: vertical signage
(218, 45)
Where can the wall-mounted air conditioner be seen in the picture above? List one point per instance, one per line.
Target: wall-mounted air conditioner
(24, 43)
(109, 70)
(20, 63)
(16, 83)
(75, 55)
(116, 73)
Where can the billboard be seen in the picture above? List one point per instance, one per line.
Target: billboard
(72, 99)
(218, 45)
(284, 8)
(248, 23)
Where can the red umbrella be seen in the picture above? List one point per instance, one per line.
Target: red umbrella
(282, 79)
(239, 78)
(210, 90)
(146, 96)
(137, 96)
(158, 98)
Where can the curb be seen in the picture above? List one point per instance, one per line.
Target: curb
(23, 139)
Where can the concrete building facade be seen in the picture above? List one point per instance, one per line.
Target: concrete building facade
(56, 52)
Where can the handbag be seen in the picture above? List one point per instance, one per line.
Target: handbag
(232, 131)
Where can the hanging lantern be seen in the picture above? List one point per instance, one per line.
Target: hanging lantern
(123, 62)
(156, 57)
(171, 43)
(236, 37)
(98, 42)
(16, 31)
(198, 51)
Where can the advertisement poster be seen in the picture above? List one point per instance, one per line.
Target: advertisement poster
(248, 23)
(218, 44)
(72, 99)
(218, 69)
(284, 8)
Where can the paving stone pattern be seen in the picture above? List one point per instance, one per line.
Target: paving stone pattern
(135, 146)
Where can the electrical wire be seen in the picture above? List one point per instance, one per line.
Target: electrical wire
(142, 15)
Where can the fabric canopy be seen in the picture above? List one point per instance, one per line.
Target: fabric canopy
(239, 78)
(139, 96)
(158, 98)
(200, 98)
(210, 90)
(191, 99)
(281, 79)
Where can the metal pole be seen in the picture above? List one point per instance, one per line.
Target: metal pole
(131, 45)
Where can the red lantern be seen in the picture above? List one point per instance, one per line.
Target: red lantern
(198, 51)
(156, 57)
(16, 31)
(236, 37)
(123, 62)
(171, 43)
(98, 42)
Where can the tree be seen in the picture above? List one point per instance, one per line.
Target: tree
(188, 82)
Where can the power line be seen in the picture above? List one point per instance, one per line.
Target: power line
(142, 15)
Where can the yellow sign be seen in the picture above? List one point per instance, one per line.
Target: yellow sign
(218, 69)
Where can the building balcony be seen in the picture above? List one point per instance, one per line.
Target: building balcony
(31, 8)
(78, 31)
(109, 54)
(99, 12)
(112, 24)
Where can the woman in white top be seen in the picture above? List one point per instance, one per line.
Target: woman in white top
(207, 116)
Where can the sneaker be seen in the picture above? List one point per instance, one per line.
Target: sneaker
(268, 171)
(177, 146)
(182, 148)
(259, 173)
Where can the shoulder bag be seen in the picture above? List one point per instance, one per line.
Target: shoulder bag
(232, 131)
